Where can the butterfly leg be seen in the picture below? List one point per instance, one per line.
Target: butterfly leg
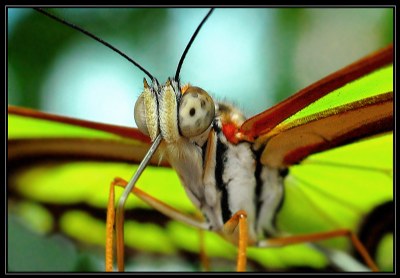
(151, 201)
(203, 256)
(282, 241)
(110, 228)
(239, 220)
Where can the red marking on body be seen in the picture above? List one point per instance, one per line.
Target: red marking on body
(230, 130)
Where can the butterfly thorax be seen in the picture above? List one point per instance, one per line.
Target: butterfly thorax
(220, 174)
(221, 177)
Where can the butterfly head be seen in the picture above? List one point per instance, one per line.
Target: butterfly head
(173, 111)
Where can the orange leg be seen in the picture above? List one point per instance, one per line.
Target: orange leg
(203, 256)
(109, 229)
(110, 225)
(239, 219)
(322, 236)
(151, 201)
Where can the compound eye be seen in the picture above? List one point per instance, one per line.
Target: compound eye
(140, 115)
(196, 112)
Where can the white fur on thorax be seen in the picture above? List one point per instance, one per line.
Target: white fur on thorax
(271, 196)
(239, 178)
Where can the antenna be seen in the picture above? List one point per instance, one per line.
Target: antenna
(178, 70)
(76, 27)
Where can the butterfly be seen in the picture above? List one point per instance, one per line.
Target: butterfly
(160, 191)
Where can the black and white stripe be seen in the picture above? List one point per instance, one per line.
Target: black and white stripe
(242, 182)
(228, 179)
(221, 185)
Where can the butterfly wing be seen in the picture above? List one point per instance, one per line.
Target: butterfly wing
(331, 187)
(350, 104)
(59, 171)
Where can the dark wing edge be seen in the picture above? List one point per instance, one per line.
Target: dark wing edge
(287, 144)
(267, 120)
(343, 125)
(130, 145)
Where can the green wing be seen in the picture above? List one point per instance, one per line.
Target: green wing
(58, 185)
(328, 188)
(69, 196)
(59, 178)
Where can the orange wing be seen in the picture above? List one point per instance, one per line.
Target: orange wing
(287, 142)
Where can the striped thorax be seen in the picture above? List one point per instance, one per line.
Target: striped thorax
(220, 176)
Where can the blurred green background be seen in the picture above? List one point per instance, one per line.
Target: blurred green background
(250, 57)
